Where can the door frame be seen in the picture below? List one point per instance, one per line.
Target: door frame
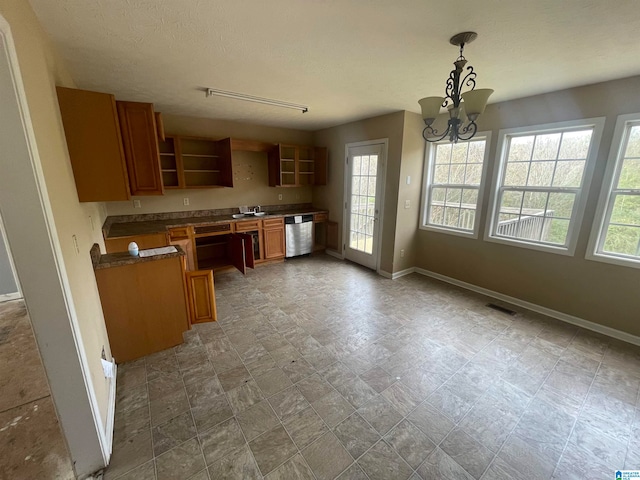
(33, 242)
(383, 181)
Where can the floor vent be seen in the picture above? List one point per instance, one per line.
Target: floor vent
(501, 309)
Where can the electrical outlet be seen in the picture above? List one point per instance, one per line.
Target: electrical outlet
(75, 244)
(407, 204)
(185, 201)
(279, 196)
(137, 204)
(402, 253)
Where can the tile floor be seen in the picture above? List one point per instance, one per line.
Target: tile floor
(31, 442)
(321, 369)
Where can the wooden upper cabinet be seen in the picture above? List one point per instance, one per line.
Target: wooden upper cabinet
(140, 141)
(297, 166)
(194, 162)
(93, 137)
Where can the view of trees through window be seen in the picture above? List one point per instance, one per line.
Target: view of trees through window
(456, 172)
(541, 181)
(622, 224)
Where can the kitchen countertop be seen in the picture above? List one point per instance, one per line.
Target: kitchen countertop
(147, 227)
(123, 258)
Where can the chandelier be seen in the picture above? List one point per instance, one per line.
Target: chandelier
(460, 105)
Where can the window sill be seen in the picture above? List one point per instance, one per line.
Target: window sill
(559, 250)
(449, 231)
(613, 260)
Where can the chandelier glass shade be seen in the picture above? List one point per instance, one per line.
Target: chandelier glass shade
(464, 108)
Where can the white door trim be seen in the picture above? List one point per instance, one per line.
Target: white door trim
(27, 215)
(383, 181)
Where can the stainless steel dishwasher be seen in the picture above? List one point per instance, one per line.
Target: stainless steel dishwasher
(299, 235)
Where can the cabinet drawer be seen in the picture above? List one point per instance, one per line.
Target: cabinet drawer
(121, 244)
(179, 232)
(217, 229)
(320, 217)
(273, 223)
(248, 226)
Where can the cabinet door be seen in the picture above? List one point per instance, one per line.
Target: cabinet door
(249, 258)
(187, 245)
(223, 150)
(202, 298)
(140, 141)
(236, 252)
(95, 147)
(274, 243)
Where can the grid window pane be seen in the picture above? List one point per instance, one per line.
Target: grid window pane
(626, 210)
(516, 174)
(620, 234)
(622, 240)
(633, 144)
(575, 145)
(568, 173)
(373, 165)
(540, 183)
(363, 191)
(449, 205)
(630, 173)
(546, 146)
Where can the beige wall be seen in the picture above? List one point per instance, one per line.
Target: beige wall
(41, 70)
(598, 292)
(250, 182)
(331, 196)
(412, 165)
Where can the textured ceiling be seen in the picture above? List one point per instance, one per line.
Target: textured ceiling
(345, 59)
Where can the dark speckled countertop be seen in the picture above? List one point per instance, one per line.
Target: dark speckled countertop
(123, 258)
(140, 226)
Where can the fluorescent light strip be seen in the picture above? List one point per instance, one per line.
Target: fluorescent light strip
(251, 98)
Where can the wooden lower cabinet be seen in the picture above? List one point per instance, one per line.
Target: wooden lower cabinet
(202, 298)
(121, 244)
(144, 306)
(273, 234)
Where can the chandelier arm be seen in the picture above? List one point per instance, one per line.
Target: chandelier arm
(430, 130)
(468, 132)
(450, 89)
(470, 78)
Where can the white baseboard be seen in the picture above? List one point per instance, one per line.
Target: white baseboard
(565, 317)
(333, 253)
(10, 296)
(399, 274)
(111, 412)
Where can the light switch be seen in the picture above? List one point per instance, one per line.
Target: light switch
(75, 244)
(407, 204)
(137, 204)
(408, 179)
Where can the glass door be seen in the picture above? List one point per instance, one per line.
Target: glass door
(364, 167)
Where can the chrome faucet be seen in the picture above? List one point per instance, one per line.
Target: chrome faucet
(257, 209)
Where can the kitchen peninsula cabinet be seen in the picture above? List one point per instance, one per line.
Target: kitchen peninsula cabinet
(297, 166)
(141, 151)
(144, 303)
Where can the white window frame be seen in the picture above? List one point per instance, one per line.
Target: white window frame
(581, 196)
(429, 164)
(605, 206)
